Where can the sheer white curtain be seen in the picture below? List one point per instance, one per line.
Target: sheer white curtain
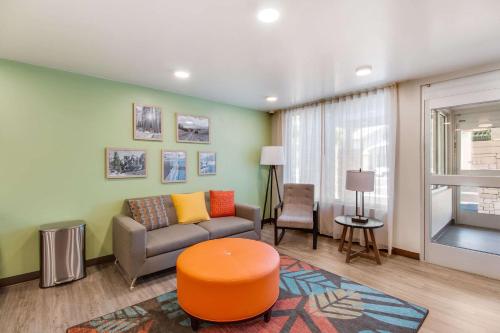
(301, 133)
(323, 142)
(360, 132)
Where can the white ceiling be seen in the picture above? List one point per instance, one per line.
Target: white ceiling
(311, 52)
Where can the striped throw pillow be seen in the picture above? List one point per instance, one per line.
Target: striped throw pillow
(150, 212)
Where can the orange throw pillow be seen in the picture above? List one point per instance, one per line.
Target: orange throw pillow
(222, 203)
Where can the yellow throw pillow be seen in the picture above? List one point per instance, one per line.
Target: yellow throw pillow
(190, 208)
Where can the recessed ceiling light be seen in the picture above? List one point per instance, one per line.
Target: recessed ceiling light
(485, 125)
(363, 70)
(271, 99)
(182, 74)
(268, 15)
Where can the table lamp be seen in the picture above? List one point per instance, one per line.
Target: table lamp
(360, 181)
(272, 156)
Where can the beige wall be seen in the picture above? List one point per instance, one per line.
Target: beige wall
(409, 207)
(407, 187)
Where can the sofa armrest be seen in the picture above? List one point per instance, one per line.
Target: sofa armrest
(129, 244)
(251, 213)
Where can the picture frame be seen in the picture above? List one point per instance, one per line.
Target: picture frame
(147, 122)
(207, 163)
(123, 163)
(173, 166)
(192, 129)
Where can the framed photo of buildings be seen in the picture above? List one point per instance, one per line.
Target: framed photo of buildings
(207, 163)
(173, 166)
(126, 163)
(147, 122)
(192, 129)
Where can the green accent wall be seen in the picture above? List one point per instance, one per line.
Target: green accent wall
(54, 129)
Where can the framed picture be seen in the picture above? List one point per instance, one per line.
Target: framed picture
(126, 163)
(207, 163)
(173, 166)
(147, 123)
(193, 129)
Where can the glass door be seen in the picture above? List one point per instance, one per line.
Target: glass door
(462, 184)
(478, 154)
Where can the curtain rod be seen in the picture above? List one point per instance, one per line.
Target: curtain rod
(334, 98)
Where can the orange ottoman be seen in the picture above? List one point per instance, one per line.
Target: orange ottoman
(227, 280)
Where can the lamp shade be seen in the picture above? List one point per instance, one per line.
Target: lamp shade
(361, 181)
(272, 155)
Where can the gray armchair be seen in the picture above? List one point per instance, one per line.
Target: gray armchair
(298, 211)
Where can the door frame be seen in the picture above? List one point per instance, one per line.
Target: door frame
(481, 88)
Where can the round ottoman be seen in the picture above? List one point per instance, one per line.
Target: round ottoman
(227, 280)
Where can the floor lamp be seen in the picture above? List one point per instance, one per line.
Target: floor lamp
(272, 156)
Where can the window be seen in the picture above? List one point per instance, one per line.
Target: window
(302, 146)
(322, 142)
(480, 149)
(439, 138)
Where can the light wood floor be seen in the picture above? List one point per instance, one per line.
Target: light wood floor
(458, 302)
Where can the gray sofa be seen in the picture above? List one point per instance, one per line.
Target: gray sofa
(139, 252)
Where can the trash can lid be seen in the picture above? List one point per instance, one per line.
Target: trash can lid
(62, 225)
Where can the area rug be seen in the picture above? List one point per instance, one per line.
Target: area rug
(310, 300)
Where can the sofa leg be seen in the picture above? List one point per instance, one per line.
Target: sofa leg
(132, 284)
(116, 261)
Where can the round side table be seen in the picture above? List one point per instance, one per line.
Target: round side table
(368, 227)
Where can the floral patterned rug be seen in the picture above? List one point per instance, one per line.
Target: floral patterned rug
(310, 300)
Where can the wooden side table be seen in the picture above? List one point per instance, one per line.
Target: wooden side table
(368, 227)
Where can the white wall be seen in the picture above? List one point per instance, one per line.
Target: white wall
(408, 201)
(409, 207)
(442, 209)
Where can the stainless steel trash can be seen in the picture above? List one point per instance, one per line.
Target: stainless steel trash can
(62, 253)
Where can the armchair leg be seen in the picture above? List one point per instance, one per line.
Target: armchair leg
(277, 239)
(275, 234)
(315, 235)
(315, 226)
(281, 235)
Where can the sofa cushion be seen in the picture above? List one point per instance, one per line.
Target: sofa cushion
(226, 226)
(296, 216)
(150, 212)
(173, 238)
